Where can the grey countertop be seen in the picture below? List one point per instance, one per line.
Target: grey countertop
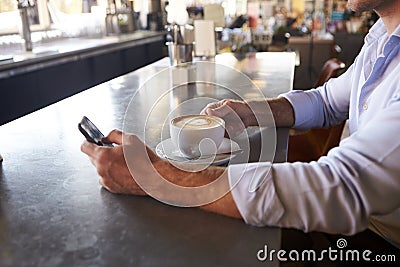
(54, 213)
(70, 49)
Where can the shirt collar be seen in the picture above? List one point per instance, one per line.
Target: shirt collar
(397, 31)
(376, 32)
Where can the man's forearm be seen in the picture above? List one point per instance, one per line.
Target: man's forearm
(282, 113)
(222, 199)
(225, 205)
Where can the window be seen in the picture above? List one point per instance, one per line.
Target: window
(10, 21)
(8, 16)
(8, 5)
(69, 6)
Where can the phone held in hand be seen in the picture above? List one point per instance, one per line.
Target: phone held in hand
(91, 132)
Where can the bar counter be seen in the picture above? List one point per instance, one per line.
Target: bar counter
(54, 213)
(53, 53)
(58, 69)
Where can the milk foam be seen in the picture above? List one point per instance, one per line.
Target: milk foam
(196, 122)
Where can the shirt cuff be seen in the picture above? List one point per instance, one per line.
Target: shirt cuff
(253, 191)
(303, 105)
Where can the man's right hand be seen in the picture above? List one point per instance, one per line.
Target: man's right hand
(236, 114)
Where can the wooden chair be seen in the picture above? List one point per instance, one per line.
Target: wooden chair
(310, 145)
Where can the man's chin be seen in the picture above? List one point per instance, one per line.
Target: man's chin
(361, 6)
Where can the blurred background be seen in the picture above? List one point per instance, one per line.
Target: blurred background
(306, 26)
(73, 45)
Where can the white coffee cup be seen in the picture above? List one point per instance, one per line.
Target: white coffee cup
(196, 135)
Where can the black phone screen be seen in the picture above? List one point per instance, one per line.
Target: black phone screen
(91, 132)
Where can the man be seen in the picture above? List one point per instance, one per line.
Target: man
(355, 187)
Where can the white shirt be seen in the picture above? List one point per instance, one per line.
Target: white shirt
(357, 185)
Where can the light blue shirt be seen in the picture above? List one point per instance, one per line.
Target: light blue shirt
(357, 185)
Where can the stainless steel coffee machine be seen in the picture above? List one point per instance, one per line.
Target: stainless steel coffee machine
(121, 17)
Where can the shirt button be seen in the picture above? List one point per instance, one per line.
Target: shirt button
(365, 106)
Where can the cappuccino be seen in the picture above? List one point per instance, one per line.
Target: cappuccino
(197, 122)
(196, 135)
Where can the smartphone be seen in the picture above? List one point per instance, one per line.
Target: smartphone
(91, 132)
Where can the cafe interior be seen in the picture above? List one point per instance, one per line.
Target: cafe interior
(132, 65)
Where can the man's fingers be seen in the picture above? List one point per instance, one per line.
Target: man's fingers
(219, 111)
(212, 106)
(209, 106)
(115, 136)
(89, 148)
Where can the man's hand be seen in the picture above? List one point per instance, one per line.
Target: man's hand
(111, 166)
(264, 113)
(116, 177)
(236, 114)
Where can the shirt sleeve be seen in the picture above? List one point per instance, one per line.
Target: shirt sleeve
(323, 106)
(336, 194)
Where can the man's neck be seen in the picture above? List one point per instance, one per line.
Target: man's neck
(390, 14)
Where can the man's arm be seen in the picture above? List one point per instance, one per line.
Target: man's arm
(224, 204)
(266, 112)
(116, 177)
(324, 106)
(337, 194)
(282, 111)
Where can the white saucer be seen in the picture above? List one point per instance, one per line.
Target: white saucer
(166, 149)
